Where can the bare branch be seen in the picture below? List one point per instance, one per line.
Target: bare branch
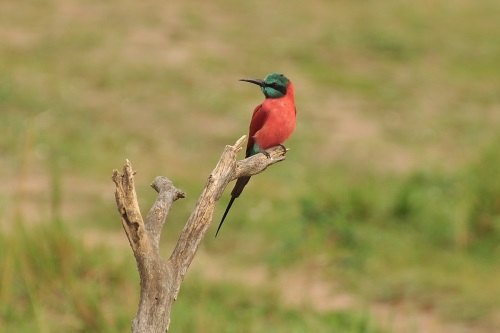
(167, 194)
(128, 207)
(160, 279)
(258, 163)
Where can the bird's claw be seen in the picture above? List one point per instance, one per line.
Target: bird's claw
(269, 155)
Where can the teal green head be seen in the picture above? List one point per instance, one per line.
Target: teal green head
(273, 86)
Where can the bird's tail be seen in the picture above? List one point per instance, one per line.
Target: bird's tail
(235, 193)
(240, 185)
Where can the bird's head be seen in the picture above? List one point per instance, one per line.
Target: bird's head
(273, 86)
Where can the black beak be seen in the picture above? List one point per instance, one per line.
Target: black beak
(255, 81)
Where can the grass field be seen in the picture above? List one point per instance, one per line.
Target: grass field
(385, 217)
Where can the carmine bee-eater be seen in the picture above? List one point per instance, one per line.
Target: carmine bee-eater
(272, 123)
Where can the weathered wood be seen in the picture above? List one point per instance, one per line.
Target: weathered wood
(161, 279)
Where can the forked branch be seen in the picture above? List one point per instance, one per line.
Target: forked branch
(161, 279)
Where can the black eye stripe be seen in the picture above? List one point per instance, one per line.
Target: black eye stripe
(276, 86)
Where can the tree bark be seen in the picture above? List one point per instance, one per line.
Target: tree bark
(161, 279)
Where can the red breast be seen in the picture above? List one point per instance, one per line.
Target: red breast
(273, 122)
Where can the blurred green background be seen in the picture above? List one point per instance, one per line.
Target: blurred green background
(385, 217)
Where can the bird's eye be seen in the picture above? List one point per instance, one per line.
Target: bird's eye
(279, 88)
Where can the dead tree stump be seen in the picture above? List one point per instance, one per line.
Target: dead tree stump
(161, 279)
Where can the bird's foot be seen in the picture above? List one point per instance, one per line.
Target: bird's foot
(266, 154)
(285, 149)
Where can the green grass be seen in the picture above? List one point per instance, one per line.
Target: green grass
(52, 283)
(229, 307)
(430, 238)
(391, 185)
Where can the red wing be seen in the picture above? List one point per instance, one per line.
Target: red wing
(259, 118)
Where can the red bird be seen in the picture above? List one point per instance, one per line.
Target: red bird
(273, 122)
